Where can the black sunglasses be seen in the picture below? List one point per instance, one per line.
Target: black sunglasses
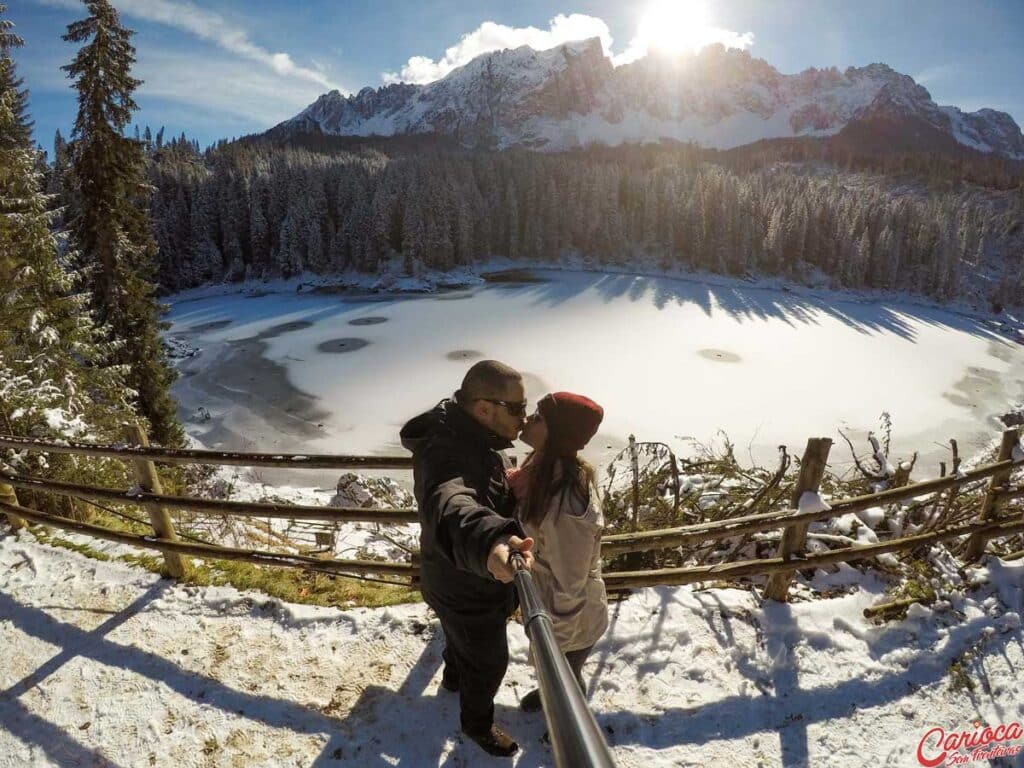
(514, 409)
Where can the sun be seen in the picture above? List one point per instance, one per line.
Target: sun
(675, 26)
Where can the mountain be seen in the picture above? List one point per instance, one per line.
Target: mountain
(722, 98)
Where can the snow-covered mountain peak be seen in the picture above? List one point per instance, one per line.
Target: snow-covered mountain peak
(572, 95)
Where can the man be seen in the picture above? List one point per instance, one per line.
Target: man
(467, 533)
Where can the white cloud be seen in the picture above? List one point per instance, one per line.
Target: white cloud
(672, 26)
(491, 36)
(238, 89)
(238, 97)
(210, 26)
(934, 74)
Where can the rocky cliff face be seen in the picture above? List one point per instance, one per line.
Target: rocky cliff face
(572, 95)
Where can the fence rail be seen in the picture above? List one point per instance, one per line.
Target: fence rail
(219, 458)
(286, 559)
(775, 565)
(211, 506)
(779, 569)
(667, 538)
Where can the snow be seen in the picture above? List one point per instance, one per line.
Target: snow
(810, 502)
(845, 523)
(961, 132)
(631, 320)
(872, 516)
(107, 664)
(733, 130)
(62, 423)
(346, 540)
(717, 98)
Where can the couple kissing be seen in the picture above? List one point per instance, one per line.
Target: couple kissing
(474, 509)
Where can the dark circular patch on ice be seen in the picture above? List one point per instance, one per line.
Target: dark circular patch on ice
(216, 325)
(464, 354)
(368, 321)
(719, 355)
(277, 330)
(342, 345)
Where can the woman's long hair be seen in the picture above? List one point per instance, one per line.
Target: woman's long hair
(545, 483)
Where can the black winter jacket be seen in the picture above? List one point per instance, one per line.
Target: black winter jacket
(465, 505)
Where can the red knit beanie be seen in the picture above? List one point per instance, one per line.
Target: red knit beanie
(571, 420)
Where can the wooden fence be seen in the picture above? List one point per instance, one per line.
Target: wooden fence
(790, 557)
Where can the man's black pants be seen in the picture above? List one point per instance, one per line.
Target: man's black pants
(476, 656)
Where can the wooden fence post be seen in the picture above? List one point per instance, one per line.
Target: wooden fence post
(675, 486)
(149, 481)
(976, 544)
(417, 562)
(794, 537)
(902, 476)
(635, 467)
(8, 496)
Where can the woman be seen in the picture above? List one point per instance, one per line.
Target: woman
(558, 506)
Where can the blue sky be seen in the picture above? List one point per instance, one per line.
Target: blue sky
(224, 68)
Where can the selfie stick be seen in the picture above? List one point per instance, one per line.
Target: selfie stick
(576, 738)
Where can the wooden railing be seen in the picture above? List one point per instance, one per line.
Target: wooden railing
(135, 450)
(148, 494)
(779, 569)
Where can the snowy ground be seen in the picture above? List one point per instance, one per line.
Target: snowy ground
(104, 664)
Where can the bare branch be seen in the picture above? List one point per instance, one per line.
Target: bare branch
(860, 467)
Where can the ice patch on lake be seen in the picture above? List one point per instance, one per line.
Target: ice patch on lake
(650, 350)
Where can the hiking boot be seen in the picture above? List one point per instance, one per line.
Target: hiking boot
(450, 681)
(531, 701)
(495, 742)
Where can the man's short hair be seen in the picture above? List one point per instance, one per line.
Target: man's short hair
(488, 378)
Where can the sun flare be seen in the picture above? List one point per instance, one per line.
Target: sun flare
(675, 26)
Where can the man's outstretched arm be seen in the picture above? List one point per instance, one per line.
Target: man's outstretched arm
(470, 534)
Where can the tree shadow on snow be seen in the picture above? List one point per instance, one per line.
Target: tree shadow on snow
(788, 708)
(743, 302)
(739, 300)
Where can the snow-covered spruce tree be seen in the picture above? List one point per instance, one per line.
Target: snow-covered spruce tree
(58, 174)
(18, 131)
(110, 220)
(206, 262)
(235, 230)
(54, 380)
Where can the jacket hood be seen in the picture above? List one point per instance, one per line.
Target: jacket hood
(418, 429)
(448, 417)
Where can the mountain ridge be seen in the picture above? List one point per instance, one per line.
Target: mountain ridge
(572, 95)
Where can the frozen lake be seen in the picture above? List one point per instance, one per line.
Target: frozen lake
(667, 358)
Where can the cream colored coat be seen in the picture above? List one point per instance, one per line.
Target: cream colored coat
(567, 570)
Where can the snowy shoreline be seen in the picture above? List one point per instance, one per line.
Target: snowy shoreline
(361, 284)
